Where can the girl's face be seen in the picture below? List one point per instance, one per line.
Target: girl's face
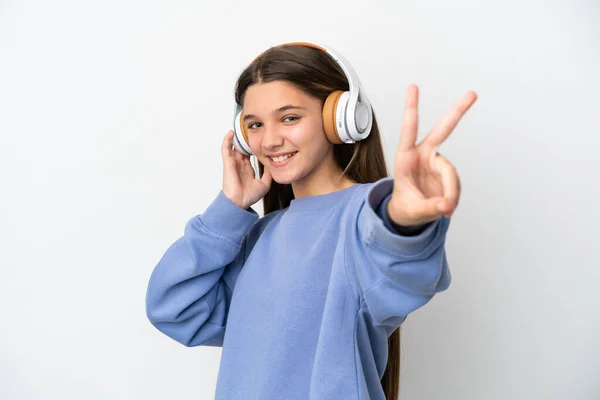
(285, 131)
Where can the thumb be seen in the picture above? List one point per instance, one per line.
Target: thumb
(432, 208)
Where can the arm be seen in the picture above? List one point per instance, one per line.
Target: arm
(395, 274)
(190, 289)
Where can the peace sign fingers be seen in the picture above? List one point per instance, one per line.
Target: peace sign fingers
(446, 125)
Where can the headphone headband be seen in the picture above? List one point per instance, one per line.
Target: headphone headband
(353, 82)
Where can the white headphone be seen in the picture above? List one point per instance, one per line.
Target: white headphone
(347, 116)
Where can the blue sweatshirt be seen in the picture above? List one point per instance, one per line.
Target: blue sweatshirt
(302, 300)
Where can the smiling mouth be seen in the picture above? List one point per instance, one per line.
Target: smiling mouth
(280, 159)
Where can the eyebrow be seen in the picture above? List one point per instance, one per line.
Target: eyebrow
(280, 109)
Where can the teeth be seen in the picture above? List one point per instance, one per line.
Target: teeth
(281, 158)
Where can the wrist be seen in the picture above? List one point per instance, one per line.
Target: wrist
(403, 228)
(234, 200)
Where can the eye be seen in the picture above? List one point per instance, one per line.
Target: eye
(293, 118)
(253, 125)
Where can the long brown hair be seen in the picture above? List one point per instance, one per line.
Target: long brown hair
(317, 74)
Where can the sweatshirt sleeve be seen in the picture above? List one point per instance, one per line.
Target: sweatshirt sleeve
(395, 274)
(190, 289)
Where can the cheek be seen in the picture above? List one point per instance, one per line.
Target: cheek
(254, 141)
(310, 135)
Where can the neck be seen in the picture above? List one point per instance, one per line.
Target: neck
(327, 178)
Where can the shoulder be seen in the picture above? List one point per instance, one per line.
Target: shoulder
(263, 222)
(371, 193)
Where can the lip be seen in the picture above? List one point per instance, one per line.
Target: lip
(280, 154)
(280, 164)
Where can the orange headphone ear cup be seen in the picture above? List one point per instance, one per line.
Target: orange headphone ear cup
(244, 130)
(329, 116)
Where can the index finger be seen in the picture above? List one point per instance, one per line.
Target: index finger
(226, 145)
(446, 125)
(410, 119)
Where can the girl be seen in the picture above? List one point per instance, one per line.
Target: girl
(307, 300)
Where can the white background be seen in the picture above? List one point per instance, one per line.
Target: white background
(111, 119)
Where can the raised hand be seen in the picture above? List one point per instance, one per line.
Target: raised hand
(426, 185)
(239, 182)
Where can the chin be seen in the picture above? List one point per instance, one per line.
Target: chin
(285, 177)
(284, 180)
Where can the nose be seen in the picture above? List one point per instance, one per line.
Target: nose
(271, 138)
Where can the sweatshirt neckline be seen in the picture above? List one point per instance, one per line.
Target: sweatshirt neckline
(321, 200)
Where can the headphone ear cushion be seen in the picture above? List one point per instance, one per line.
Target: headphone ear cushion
(329, 116)
(241, 133)
(244, 130)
